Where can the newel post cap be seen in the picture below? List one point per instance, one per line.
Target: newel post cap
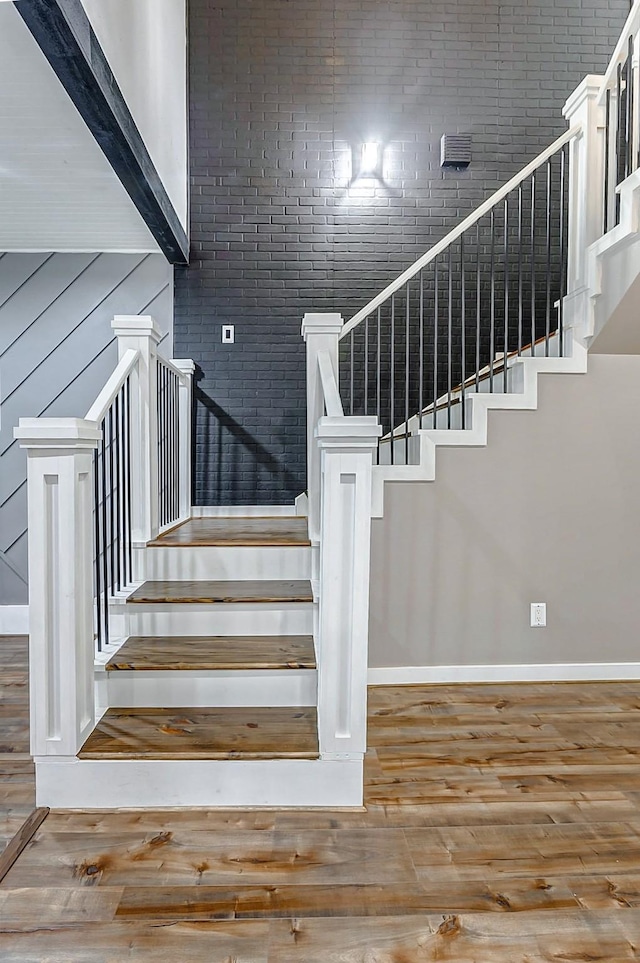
(72, 434)
(329, 323)
(186, 365)
(587, 90)
(136, 326)
(353, 432)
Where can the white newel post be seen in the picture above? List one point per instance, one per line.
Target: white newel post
(321, 333)
(61, 646)
(185, 408)
(586, 178)
(346, 447)
(142, 334)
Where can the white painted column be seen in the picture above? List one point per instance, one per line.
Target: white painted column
(346, 447)
(586, 183)
(185, 419)
(61, 645)
(321, 333)
(142, 334)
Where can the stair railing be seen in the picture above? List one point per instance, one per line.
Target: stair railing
(96, 496)
(340, 458)
(619, 97)
(492, 288)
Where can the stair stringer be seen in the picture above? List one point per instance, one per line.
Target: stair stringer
(425, 442)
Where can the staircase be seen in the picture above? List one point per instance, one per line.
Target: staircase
(182, 657)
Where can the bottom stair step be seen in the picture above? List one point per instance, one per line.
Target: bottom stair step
(187, 733)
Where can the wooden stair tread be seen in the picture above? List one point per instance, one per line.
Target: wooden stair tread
(215, 652)
(210, 733)
(287, 531)
(257, 590)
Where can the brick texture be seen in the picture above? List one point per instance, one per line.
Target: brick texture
(282, 94)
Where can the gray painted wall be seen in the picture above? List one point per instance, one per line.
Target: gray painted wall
(56, 352)
(548, 512)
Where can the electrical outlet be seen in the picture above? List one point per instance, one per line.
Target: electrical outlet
(538, 615)
(228, 334)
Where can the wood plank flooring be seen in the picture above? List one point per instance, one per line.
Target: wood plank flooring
(230, 733)
(236, 531)
(502, 825)
(215, 652)
(259, 590)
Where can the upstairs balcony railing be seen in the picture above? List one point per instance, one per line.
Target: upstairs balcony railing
(620, 99)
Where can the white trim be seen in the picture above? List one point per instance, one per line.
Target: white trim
(70, 783)
(14, 619)
(203, 687)
(242, 511)
(536, 672)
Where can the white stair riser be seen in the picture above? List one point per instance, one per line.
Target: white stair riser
(70, 783)
(226, 562)
(258, 618)
(199, 688)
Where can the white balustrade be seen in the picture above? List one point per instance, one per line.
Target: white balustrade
(339, 466)
(61, 530)
(61, 651)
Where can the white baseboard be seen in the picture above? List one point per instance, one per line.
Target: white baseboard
(14, 619)
(242, 511)
(541, 672)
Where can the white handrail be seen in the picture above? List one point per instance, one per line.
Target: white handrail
(468, 222)
(105, 399)
(620, 53)
(172, 367)
(332, 401)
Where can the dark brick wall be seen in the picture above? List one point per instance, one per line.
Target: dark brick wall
(281, 91)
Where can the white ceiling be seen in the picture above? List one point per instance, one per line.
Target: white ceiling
(57, 189)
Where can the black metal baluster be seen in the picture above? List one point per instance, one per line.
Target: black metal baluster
(629, 104)
(406, 373)
(619, 139)
(351, 367)
(392, 374)
(607, 155)
(105, 574)
(129, 545)
(378, 359)
(478, 305)
(116, 493)
(520, 292)
(463, 321)
(563, 265)
(449, 332)
(112, 566)
(492, 310)
(505, 256)
(160, 443)
(436, 310)
(378, 380)
(366, 365)
(96, 532)
(547, 318)
(421, 350)
(533, 264)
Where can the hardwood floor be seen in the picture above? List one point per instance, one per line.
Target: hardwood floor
(230, 733)
(214, 652)
(260, 590)
(502, 825)
(237, 532)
